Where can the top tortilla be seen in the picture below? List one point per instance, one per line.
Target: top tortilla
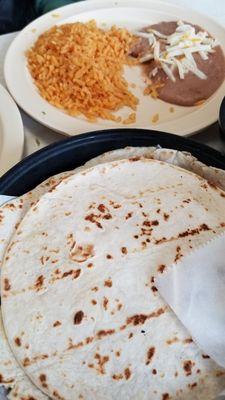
(37, 352)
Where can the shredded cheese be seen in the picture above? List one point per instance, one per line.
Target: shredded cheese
(179, 47)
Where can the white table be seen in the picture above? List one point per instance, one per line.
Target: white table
(37, 136)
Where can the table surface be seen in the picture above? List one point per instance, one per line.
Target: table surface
(38, 136)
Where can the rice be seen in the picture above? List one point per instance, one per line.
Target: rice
(78, 67)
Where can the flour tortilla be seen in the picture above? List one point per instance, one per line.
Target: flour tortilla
(115, 181)
(11, 214)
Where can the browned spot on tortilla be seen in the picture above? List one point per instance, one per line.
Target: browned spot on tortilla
(90, 265)
(108, 283)
(101, 361)
(42, 378)
(105, 303)
(27, 398)
(104, 332)
(117, 377)
(114, 204)
(187, 366)
(188, 232)
(188, 340)
(107, 216)
(82, 253)
(57, 323)
(158, 241)
(117, 353)
(166, 216)
(161, 268)
(94, 289)
(57, 395)
(220, 373)
(74, 346)
(124, 250)
(89, 340)
(78, 317)
(39, 283)
(178, 254)
(17, 340)
(150, 354)
(222, 224)
(2, 380)
(74, 272)
(145, 231)
(176, 374)
(119, 306)
(130, 335)
(127, 373)
(139, 319)
(154, 289)
(154, 371)
(134, 158)
(205, 356)
(192, 385)
(136, 236)
(94, 302)
(26, 362)
(7, 285)
(92, 218)
(202, 227)
(129, 215)
(187, 201)
(102, 208)
(212, 184)
(165, 396)
(171, 341)
(10, 206)
(151, 223)
(109, 256)
(222, 194)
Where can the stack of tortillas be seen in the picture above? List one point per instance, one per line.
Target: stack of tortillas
(82, 318)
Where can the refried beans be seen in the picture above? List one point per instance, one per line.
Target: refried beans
(190, 90)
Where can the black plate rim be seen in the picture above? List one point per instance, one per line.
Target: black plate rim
(222, 116)
(133, 137)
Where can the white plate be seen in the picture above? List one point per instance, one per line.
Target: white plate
(11, 132)
(133, 15)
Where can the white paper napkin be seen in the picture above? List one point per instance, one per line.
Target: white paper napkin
(195, 290)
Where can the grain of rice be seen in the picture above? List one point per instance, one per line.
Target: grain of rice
(79, 68)
(130, 119)
(155, 118)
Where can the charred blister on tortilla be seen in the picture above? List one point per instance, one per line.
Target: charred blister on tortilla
(99, 363)
(78, 317)
(150, 355)
(177, 59)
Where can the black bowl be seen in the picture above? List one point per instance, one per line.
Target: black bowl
(75, 151)
(222, 118)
